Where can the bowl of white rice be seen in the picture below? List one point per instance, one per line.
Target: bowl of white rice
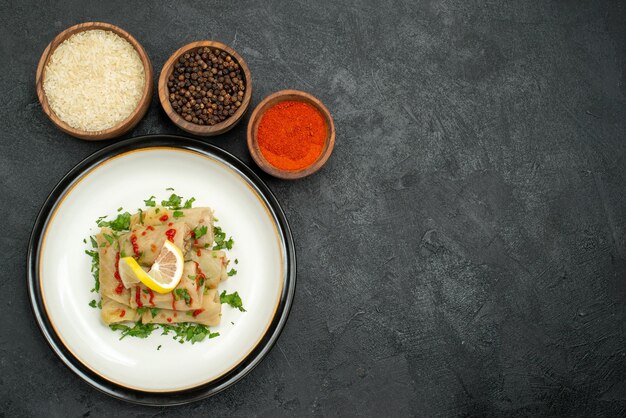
(94, 81)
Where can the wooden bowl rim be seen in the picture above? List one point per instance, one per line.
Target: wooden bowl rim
(124, 125)
(193, 128)
(255, 118)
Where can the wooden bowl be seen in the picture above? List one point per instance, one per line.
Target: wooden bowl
(255, 119)
(125, 125)
(193, 128)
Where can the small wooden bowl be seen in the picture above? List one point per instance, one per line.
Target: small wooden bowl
(193, 128)
(128, 123)
(253, 126)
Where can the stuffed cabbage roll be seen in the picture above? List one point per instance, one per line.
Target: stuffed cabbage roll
(110, 282)
(194, 218)
(211, 265)
(113, 312)
(208, 314)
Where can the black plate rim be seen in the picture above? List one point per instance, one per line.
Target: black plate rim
(159, 398)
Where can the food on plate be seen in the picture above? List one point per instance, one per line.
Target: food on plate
(161, 267)
(94, 80)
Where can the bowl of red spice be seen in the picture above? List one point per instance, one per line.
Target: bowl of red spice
(291, 134)
(205, 88)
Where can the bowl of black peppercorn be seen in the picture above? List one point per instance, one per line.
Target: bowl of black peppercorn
(205, 88)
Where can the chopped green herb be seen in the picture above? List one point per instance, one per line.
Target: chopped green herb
(94, 243)
(146, 291)
(232, 322)
(100, 304)
(144, 309)
(121, 223)
(232, 272)
(122, 253)
(191, 277)
(93, 303)
(150, 202)
(236, 261)
(178, 213)
(139, 330)
(159, 347)
(104, 244)
(220, 241)
(233, 300)
(140, 216)
(157, 210)
(200, 231)
(109, 238)
(182, 294)
(189, 332)
(170, 189)
(206, 245)
(95, 268)
(85, 240)
(188, 203)
(173, 202)
(119, 209)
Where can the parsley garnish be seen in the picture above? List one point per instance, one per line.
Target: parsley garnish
(188, 203)
(236, 261)
(173, 202)
(85, 240)
(93, 304)
(140, 216)
(100, 304)
(170, 189)
(94, 243)
(95, 268)
(150, 202)
(232, 272)
(200, 231)
(178, 213)
(109, 238)
(139, 330)
(220, 241)
(189, 332)
(157, 210)
(119, 209)
(182, 294)
(121, 223)
(233, 300)
(159, 347)
(153, 311)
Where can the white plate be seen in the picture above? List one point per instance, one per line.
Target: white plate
(123, 176)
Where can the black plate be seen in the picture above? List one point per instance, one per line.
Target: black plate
(160, 398)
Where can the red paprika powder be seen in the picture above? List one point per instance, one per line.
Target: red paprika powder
(291, 135)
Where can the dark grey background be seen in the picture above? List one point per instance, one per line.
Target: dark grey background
(462, 252)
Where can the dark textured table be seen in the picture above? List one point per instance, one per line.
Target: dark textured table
(462, 253)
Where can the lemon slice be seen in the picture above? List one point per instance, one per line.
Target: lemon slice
(164, 274)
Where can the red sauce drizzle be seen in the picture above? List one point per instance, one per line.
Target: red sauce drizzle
(173, 302)
(195, 242)
(170, 224)
(197, 312)
(199, 276)
(192, 234)
(169, 319)
(164, 218)
(170, 234)
(153, 248)
(120, 286)
(133, 242)
(198, 252)
(150, 228)
(151, 296)
(143, 233)
(122, 313)
(138, 296)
